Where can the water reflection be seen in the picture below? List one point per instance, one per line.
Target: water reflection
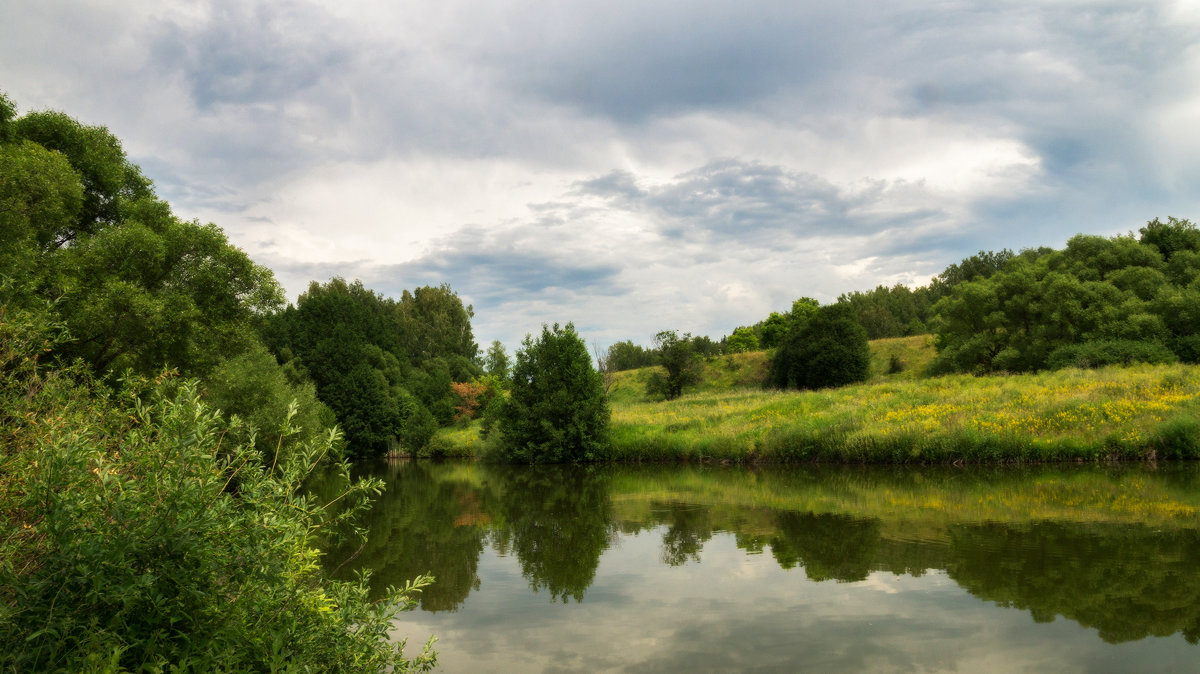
(556, 520)
(1113, 550)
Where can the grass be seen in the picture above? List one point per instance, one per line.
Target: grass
(1142, 412)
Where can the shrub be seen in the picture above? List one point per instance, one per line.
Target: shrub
(556, 410)
(830, 349)
(136, 540)
(1109, 352)
(680, 364)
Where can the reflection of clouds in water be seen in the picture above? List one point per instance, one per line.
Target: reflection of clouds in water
(739, 612)
(881, 582)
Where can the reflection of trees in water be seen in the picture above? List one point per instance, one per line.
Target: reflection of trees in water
(835, 547)
(414, 528)
(1126, 582)
(557, 520)
(689, 528)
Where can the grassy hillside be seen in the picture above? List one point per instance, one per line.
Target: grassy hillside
(1139, 412)
(749, 370)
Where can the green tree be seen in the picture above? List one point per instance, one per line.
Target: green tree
(556, 411)
(681, 366)
(141, 536)
(628, 356)
(110, 182)
(1171, 237)
(773, 330)
(742, 340)
(495, 361)
(346, 338)
(829, 350)
(434, 323)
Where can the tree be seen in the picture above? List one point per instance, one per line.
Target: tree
(773, 330)
(495, 362)
(556, 411)
(137, 287)
(742, 340)
(1098, 300)
(603, 358)
(434, 323)
(346, 338)
(680, 363)
(628, 356)
(127, 548)
(829, 350)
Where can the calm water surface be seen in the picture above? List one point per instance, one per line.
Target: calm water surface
(1065, 569)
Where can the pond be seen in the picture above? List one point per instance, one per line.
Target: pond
(818, 568)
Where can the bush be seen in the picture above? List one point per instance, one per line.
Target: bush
(1109, 352)
(831, 349)
(138, 537)
(556, 410)
(680, 364)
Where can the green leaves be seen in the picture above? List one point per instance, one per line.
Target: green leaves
(1107, 291)
(556, 411)
(830, 349)
(149, 540)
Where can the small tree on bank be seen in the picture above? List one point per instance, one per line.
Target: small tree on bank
(679, 360)
(830, 349)
(556, 411)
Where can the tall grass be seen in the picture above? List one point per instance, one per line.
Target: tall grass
(901, 416)
(1141, 412)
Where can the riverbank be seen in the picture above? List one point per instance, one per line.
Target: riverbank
(1141, 412)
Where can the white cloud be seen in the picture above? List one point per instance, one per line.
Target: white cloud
(842, 146)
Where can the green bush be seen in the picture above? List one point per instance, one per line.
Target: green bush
(830, 349)
(137, 536)
(1109, 352)
(556, 410)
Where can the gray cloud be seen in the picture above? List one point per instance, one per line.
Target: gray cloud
(756, 204)
(692, 163)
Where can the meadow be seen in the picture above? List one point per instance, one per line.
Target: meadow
(1140, 412)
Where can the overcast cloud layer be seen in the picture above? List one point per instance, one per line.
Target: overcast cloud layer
(632, 167)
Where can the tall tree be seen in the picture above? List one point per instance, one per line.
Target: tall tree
(556, 411)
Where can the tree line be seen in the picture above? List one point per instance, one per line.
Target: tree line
(1098, 301)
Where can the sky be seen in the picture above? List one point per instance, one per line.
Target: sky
(632, 166)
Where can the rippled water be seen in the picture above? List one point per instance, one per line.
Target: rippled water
(794, 569)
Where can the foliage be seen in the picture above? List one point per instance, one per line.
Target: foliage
(628, 356)
(253, 386)
(897, 311)
(137, 287)
(1109, 352)
(830, 349)
(1106, 291)
(384, 367)
(774, 329)
(495, 361)
(472, 397)
(742, 340)
(680, 365)
(433, 324)
(140, 536)
(556, 410)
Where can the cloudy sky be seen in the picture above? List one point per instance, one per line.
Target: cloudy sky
(632, 166)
